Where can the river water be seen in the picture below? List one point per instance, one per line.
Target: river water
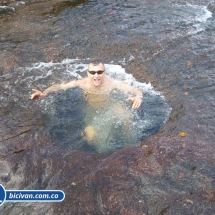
(169, 44)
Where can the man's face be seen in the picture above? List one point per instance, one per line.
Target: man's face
(96, 79)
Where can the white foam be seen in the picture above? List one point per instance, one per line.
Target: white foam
(75, 69)
(42, 65)
(197, 12)
(118, 72)
(42, 75)
(7, 8)
(203, 13)
(20, 2)
(198, 18)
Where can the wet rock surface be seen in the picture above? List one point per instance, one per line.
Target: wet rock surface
(169, 173)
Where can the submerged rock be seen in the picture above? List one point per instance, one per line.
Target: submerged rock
(5, 9)
(211, 7)
(168, 173)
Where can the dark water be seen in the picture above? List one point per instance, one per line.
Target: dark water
(167, 43)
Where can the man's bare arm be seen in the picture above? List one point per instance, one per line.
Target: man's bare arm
(137, 99)
(53, 88)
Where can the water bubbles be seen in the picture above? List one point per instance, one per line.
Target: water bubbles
(106, 129)
(193, 17)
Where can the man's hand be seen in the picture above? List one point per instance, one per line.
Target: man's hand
(37, 94)
(136, 102)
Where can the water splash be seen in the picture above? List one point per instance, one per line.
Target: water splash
(62, 111)
(193, 17)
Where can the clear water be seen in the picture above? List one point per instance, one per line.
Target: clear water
(65, 114)
(167, 43)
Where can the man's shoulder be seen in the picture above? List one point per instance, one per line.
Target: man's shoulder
(112, 80)
(73, 83)
(82, 82)
(116, 82)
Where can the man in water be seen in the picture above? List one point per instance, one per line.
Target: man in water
(98, 84)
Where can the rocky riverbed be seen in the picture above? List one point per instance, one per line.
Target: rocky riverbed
(167, 43)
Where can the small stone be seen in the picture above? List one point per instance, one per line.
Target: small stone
(189, 63)
(190, 201)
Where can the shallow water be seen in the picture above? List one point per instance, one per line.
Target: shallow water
(167, 43)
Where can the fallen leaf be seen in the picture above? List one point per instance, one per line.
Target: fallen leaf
(184, 145)
(189, 63)
(111, 12)
(145, 146)
(186, 93)
(182, 134)
(190, 201)
(181, 175)
(73, 183)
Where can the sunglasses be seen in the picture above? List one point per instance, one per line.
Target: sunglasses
(94, 72)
